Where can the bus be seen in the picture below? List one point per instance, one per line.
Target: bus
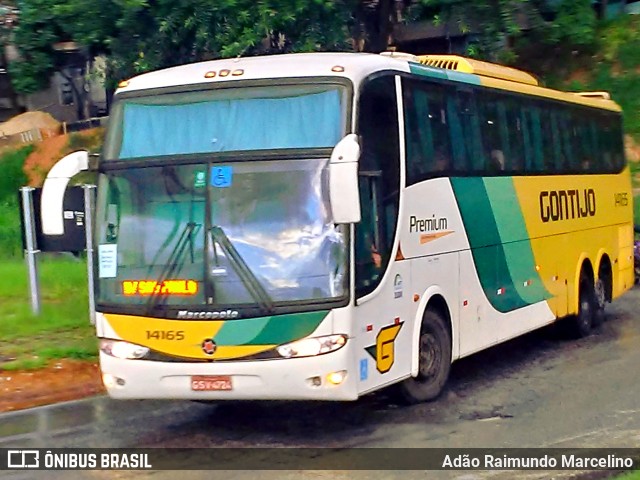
(320, 226)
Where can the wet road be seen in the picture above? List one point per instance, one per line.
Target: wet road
(535, 391)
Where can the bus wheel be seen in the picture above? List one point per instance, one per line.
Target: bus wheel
(582, 322)
(600, 300)
(434, 362)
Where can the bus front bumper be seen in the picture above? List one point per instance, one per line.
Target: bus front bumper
(279, 379)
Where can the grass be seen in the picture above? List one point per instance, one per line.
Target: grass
(10, 235)
(635, 475)
(62, 330)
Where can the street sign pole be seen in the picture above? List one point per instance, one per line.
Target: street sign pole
(89, 196)
(31, 250)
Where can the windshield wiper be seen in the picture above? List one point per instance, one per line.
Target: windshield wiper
(174, 262)
(248, 278)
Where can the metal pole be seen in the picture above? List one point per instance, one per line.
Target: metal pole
(88, 230)
(31, 251)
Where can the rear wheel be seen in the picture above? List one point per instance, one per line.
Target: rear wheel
(582, 323)
(600, 300)
(434, 363)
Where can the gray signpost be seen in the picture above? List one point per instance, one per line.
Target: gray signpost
(89, 197)
(36, 242)
(31, 250)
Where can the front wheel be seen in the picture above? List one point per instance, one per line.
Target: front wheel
(434, 361)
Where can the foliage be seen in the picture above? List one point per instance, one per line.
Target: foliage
(500, 30)
(12, 177)
(90, 140)
(612, 65)
(142, 35)
(492, 24)
(11, 180)
(574, 23)
(35, 35)
(10, 236)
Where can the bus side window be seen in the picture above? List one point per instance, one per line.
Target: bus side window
(536, 164)
(471, 133)
(566, 151)
(515, 131)
(556, 140)
(617, 142)
(426, 131)
(609, 132)
(548, 141)
(458, 142)
(492, 139)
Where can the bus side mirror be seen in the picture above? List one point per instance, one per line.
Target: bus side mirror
(343, 180)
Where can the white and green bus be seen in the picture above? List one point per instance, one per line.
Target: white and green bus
(320, 226)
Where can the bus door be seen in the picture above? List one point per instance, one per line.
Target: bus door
(382, 299)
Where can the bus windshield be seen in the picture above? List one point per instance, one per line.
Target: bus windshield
(255, 233)
(227, 119)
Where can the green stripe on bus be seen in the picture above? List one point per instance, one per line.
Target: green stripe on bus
(426, 71)
(240, 332)
(273, 330)
(486, 245)
(419, 69)
(463, 77)
(515, 239)
(476, 211)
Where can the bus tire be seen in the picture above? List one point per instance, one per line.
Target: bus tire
(434, 361)
(600, 300)
(582, 322)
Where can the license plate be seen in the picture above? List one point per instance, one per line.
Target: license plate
(208, 383)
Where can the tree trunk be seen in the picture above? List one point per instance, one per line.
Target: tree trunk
(80, 96)
(9, 90)
(384, 27)
(602, 10)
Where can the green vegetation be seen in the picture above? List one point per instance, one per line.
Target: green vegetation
(140, 35)
(612, 64)
(61, 331)
(90, 140)
(635, 475)
(11, 180)
(11, 162)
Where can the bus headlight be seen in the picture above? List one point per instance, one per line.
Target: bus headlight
(123, 350)
(310, 347)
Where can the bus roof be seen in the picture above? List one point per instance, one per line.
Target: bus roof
(356, 66)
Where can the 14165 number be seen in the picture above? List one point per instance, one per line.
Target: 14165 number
(165, 334)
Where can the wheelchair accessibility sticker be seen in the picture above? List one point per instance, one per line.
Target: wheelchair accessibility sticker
(221, 176)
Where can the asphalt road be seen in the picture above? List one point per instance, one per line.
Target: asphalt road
(535, 391)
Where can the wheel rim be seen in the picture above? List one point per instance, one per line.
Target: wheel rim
(430, 357)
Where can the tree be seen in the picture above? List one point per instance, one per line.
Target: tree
(142, 35)
(8, 20)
